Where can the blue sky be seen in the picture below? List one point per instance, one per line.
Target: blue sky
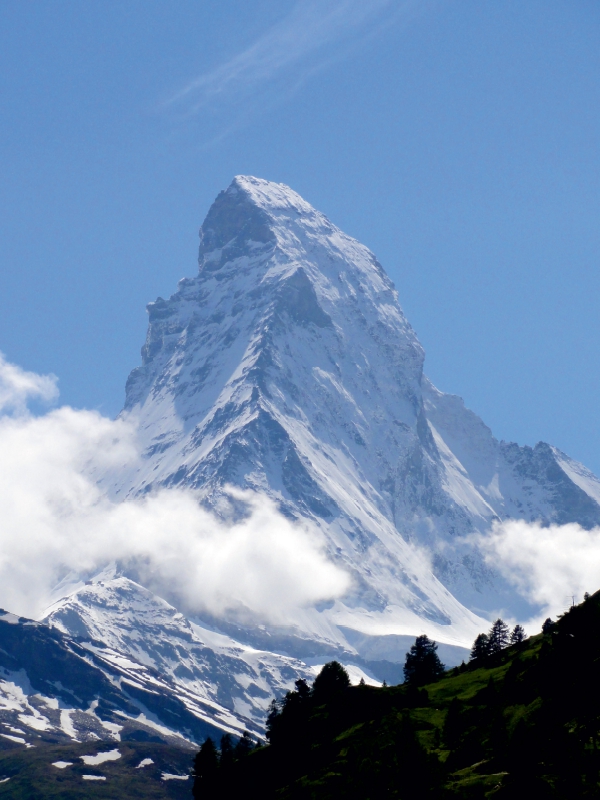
(459, 140)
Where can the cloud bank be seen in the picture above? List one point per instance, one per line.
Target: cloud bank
(547, 565)
(54, 520)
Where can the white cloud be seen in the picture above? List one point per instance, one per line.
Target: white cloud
(546, 565)
(54, 519)
(17, 387)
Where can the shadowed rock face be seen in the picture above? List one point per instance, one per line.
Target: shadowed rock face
(232, 222)
(288, 366)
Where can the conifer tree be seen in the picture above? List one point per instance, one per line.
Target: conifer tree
(244, 746)
(206, 766)
(302, 689)
(498, 636)
(548, 625)
(273, 719)
(481, 648)
(517, 635)
(331, 681)
(422, 664)
(226, 759)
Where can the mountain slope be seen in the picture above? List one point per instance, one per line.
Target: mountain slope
(228, 684)
(57, 689)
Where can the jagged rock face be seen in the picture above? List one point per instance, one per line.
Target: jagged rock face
(287, 366)
(289, 332)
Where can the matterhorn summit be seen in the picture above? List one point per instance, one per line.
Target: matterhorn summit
(286, 370)
(286, 366)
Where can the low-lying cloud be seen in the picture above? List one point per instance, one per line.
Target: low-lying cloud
(549, 566)
(54, 519)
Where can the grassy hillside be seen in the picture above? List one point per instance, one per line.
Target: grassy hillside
(522, 724)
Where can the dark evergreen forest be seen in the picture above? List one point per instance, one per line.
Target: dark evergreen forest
(520, 720)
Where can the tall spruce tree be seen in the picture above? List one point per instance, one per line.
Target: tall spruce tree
(422, 664)
(499, 636)
(205, 770)
(517, 635)
(481, 648)
(226, 759)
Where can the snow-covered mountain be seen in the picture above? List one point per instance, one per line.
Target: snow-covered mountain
(57, 689)
(223, 682)
(286, 366)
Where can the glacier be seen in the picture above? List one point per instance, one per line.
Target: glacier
(287, 367)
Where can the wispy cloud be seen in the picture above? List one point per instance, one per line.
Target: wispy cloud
(309, 27)
(312, 35)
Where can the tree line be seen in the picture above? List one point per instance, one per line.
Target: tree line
(290, 717)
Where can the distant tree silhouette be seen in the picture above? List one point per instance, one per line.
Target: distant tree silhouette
(288, 717)
(273, 715)
(332, 680)
(499, 636)
(206, 766)
(226, 759)
(517, 635)
(481, 648)
(302, 688)
(548, 625)
(244, 746)
(422, 664)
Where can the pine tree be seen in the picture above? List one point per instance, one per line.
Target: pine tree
(481, 648)
(226, 759)
(548, 625)
(518, 635)
(302, 689)
(206, 766)
(498, 636)
(244, 746)
(331, 681)
(422, 664)
(273, 719)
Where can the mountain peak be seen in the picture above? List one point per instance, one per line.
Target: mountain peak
(287, 366)
(253, 214)
(272, 197)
